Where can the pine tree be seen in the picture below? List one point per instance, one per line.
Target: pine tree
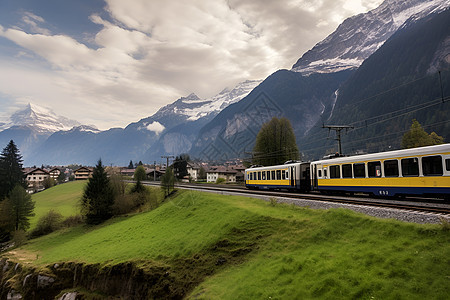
(21, 207)
(275, 143)
(98, 196)
(130, 165)
(10, 169)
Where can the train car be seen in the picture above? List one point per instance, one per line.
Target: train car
(290, 176)
(418, 171)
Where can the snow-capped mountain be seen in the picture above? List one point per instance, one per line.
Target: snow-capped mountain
(192, 108)
(40, 119)
(361, 35)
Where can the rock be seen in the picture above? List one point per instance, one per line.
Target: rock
(13, 295)
(44, 281)
(69, 296)
(26, 279)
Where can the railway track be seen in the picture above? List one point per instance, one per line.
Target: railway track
(432, 206)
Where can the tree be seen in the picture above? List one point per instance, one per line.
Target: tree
(275, 143)
(139, 173)
(418, 137)
(10, 169)
(98, 196)
(22, 207)
(61, 177)
(202, 173)
(167, 182)
(139, 176)
(130, 165)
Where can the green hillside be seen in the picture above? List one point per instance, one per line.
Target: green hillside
(208, 246)
(62, 198)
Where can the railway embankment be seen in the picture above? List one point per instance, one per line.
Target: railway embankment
(210, 246)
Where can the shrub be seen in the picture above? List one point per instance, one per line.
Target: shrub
(220, 180)
(123, 204)
(72, 221)
(273, 201)
(47, 224)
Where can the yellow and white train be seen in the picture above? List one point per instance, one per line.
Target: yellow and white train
(418, 171)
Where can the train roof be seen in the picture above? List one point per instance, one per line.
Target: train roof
(437, 149)
(275, 166)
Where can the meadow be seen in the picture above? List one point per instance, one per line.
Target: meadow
(230, 247)
(62, 198)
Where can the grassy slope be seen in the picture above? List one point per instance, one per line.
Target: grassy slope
(62, 198)
(296, 252)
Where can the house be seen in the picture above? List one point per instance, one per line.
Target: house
(193, 170)
(213, 173)
(35, 178)
(83, 173)
(127, 172)
(154, 174)
(54, 173)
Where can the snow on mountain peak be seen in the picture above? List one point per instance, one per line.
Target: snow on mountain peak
(361, 35)
(39, 118)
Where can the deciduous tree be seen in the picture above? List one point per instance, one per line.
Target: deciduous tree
(418, 137)
(167, 182)
(275, 143)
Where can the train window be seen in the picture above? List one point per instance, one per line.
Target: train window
(263, 175)
(335, 172)
(273, 175)
(249, 176)
(268, 175)
(410, 166)
(324, 173)
(347, 171)
(374, 169)
(432, 166)
(359, 170)
(278, 174)
(287, 174)
(319, 173)
(283, 175)
(391, 168)
(447, 164)
(259, 175)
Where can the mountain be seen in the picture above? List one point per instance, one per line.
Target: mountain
(145, 140)
(334, 73)
(361, 35)
(301, 99)
(40, 119)
(31, 126)
(396, 84)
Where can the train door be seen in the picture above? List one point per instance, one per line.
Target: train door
(314, 179)
(292, 176)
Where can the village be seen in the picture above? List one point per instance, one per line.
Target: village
(41, 178)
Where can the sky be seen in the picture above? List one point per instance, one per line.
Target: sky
(112, 62)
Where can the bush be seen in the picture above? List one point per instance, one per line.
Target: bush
(220, 180)
(47, 224)
(72, 221)
(123, 204)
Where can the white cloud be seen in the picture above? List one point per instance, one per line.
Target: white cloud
(156, 127)
(149, 53)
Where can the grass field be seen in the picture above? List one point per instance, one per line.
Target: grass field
(243, 248)
(62, 198)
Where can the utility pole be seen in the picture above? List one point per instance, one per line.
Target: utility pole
(154, 171)
(338, 129)
(167, 157)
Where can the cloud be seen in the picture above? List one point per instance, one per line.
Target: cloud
(149, 53)
(155, 127)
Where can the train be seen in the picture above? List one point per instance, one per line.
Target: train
(423, 171)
